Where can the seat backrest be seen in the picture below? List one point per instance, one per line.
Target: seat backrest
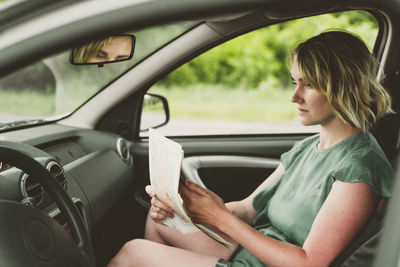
(387, 128)
(365, 254)
(361, 251)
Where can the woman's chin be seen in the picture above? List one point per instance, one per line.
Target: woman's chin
(305, 122)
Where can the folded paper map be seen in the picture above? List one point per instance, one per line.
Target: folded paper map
(165, 162)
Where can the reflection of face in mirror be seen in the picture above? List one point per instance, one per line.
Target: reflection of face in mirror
(113, 48)
(118, 48)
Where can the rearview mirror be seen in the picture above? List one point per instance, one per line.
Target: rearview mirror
(112, 49)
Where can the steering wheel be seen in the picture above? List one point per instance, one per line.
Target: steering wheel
(29, 237)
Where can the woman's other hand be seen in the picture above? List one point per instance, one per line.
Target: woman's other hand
(202, 205)
(158, 210)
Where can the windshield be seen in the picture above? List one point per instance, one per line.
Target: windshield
(53, 87)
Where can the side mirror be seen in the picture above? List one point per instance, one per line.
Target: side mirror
(155, 112)
(112, 49)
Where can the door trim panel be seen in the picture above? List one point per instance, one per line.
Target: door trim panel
(191, 165)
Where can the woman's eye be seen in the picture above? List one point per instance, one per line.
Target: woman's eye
(100, 56)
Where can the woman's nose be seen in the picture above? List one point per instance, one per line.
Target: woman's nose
(296, 96)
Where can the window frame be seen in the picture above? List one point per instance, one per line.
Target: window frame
(379, 48)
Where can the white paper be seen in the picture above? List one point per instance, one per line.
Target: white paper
(165, 162)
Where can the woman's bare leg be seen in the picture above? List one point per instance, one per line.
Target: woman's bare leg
(169, 247)
(145, 253)
(196, 242)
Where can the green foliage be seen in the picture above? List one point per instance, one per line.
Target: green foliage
(250, 59)
(68, 86)
(29, 103)
(36, 77)
(218, 102)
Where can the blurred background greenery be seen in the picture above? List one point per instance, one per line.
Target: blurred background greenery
(248, 78)
(259, 56)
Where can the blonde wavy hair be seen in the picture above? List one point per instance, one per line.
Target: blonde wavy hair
(89, 50)
(340, 66)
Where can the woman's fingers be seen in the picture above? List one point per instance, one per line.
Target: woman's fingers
(183, 189)
(156, 216)
(186, 195)
(158, 210)
(195, 187)
(202, 205)
(154, 200)
(149, 191)
(157, 203)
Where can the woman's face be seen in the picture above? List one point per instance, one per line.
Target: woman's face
(313, 106)
(118, 48)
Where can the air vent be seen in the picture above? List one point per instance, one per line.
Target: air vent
(123, 151)
(31, 188)
(58, 172)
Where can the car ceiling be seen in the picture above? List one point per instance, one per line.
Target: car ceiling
(26, 9)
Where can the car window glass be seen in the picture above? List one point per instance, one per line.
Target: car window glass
(244, 85)
(53, 86)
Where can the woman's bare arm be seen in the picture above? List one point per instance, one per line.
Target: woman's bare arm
(345, 211)
(244, 209)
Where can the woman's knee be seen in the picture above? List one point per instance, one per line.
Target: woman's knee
(132, 254)
(133, 245)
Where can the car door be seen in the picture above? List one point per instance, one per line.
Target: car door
(232, 167)
(230, 108)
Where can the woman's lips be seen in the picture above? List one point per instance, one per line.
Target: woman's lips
(302, 111)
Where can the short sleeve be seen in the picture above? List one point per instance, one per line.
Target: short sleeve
(372, 168)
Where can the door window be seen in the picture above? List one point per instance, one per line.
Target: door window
(243, 86)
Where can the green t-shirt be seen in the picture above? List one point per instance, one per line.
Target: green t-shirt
(288, 207)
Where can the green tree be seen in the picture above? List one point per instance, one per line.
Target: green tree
(262, 55)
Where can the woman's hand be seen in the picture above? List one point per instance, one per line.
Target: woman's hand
(202, 205)
(158, 210)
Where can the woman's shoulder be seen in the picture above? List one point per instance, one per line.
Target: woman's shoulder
(366, 146)
(364, 151)
(366, 162)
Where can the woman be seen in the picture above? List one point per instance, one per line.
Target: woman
(323, 192)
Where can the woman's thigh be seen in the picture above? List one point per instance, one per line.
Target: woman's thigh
(143, 253)
(195, 242)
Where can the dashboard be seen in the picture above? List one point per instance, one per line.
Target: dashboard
(94, 168)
